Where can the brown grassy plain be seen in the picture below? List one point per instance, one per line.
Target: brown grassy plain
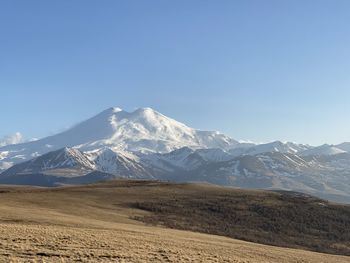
(96, 224)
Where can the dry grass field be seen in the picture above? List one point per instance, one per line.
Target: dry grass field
(97, 224)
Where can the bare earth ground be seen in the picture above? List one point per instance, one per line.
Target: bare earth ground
(90, 224)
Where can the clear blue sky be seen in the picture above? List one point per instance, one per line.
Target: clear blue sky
(258, 70)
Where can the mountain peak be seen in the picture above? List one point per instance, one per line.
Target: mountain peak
(147, 113)
(145, 109)
(116, 109)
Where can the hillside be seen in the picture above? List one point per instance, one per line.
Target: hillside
(106, 221)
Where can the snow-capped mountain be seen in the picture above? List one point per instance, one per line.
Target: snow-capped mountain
(143, 130)
(146, 144)
(324, 176)
(54, 162)
(70, 162)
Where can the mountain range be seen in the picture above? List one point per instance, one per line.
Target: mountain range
(146, 144)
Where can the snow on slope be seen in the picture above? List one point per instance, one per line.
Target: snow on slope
(325, 149)
(70, 162)
(143, 130)
(146, 130)
(276, 146)
(214, 154)
(183, 158)
(117, 163)
(345, 146)
(59, 159)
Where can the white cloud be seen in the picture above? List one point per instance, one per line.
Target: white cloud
(11, 139)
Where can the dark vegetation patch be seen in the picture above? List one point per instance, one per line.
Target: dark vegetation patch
(280, 219)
